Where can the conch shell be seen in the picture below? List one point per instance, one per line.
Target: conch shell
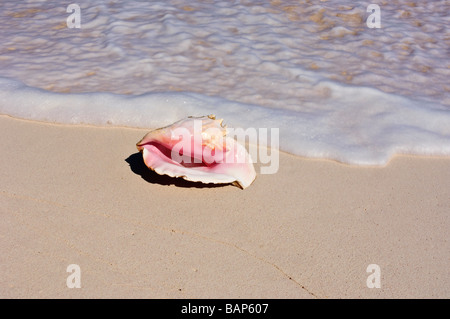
(197, 149)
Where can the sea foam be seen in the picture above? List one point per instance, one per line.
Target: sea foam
(354, 125)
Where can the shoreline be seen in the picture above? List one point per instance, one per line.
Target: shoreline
(80, 195)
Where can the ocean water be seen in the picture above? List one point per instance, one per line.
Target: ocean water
(336, 88)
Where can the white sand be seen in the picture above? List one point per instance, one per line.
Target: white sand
(80, 195)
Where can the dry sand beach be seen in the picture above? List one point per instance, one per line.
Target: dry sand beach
(82, 195)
